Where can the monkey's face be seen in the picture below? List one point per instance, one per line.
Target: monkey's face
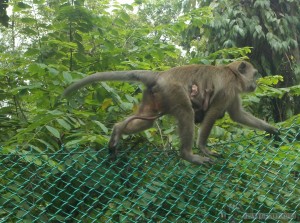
(248, 74)
(250, 84)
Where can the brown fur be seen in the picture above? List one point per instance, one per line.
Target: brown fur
(216, 91)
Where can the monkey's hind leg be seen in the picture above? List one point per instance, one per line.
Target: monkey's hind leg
(132, 124)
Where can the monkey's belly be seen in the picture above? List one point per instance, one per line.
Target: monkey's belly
(200, 114)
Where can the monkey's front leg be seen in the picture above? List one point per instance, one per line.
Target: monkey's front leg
(206, 126)
(237, 113)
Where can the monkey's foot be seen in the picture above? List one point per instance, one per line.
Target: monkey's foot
(199, 160)
(274, 131)
(113, 152)
(112, 148)
(207, 152)
(114, 138)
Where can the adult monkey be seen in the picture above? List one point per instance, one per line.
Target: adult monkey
(176, 91)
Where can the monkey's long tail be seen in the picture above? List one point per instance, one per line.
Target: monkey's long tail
(146, 77)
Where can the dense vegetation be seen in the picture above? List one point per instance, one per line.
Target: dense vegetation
(46, 45)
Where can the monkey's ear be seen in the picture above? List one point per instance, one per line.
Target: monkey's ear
(238, 67)
(242, 68)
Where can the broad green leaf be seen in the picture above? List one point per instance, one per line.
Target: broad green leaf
(38, 1)
(55, 112)
(32, 52)
(67, 76)
(63, 44)
(37, 68)
(72, 143)
(103, 127)
(53, 71)
(270, 80)
(20, 6)
(80, 57)
(124, 16)
(47, 144)
(29, 31)
(28, 20)
(32, 86)
(53, 131)
(64, 124)
(33, 159)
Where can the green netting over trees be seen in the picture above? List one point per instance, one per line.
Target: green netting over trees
(256, 179)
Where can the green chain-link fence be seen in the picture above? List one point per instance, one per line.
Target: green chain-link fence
(256, 180)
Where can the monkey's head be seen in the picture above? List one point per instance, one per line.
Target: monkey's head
(246, 73)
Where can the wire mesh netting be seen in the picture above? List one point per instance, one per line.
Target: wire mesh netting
(255, 180)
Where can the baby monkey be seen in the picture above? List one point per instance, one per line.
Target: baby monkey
(200, 99)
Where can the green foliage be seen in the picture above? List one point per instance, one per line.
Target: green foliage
(51, 44)
(262, 21)
(60, 43)
(145, 184)
(271, 28)
(75, 41)
(3, 14)
(224, 56)
(259, 101)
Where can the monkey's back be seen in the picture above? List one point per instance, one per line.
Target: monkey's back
(218, 76)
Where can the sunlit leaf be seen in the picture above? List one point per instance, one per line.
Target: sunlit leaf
(64, 124)
(53, 131)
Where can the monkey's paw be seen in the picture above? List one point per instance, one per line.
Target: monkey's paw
(113, 152)
(112, 149)
(274, 131)
(199, 160)
(113, 142)
(207, 152)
